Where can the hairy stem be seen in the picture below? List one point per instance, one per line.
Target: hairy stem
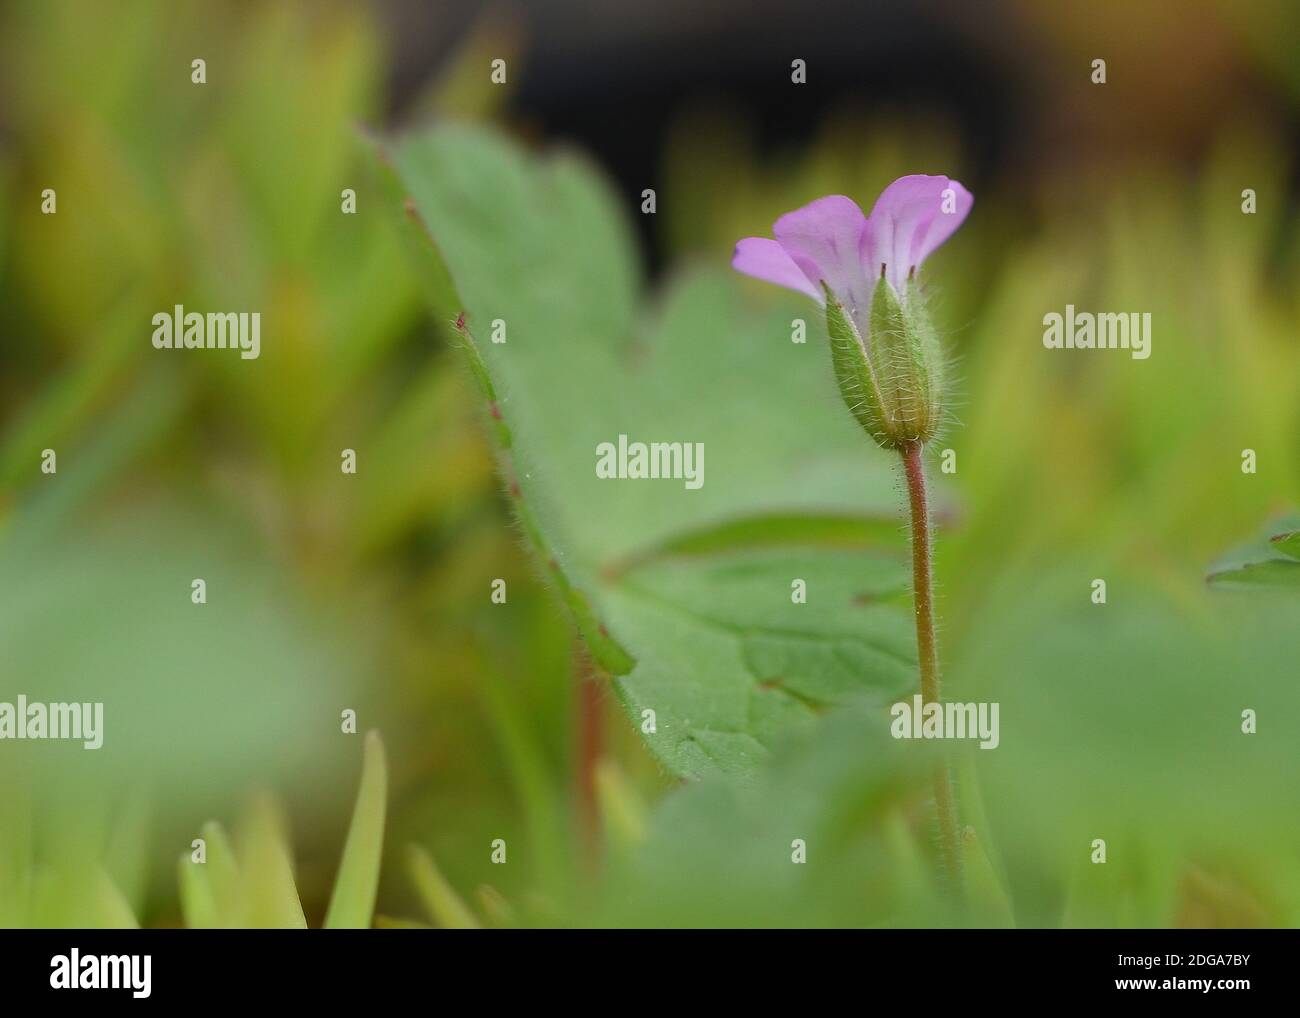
(928, 654)
(588, 748)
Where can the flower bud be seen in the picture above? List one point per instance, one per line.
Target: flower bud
(892, 380)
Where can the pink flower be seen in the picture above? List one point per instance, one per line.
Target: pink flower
(886, 353)
(829, 241)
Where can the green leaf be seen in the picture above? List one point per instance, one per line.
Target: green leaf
(269, 893)
(198, 901)
(72, 896)
(1129, 726)
(353, 901)
(223, 873)
(721, 852)
(210, 891)
(1288, 543)
(444, 905)
(126, 856)
(1271, 561)
(1273, 574)
(708, 638)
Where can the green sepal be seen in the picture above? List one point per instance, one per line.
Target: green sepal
(893, 383)
(857, 381)
(908, 361)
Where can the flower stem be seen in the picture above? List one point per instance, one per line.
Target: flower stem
(588, 748)
(928, 655)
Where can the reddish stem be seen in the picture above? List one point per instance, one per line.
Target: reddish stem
(928, 654)
(588, 747)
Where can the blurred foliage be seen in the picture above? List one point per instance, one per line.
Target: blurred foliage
(370, 592)
(323, 594)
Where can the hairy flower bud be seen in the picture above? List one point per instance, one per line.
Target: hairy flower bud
(887, 356)
(892, 380)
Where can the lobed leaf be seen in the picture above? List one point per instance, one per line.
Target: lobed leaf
(705, 635)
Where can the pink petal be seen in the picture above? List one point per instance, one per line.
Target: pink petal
(823, 239)
(766, 260)
(909, 221)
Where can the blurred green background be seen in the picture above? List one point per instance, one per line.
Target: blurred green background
(329, 592)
